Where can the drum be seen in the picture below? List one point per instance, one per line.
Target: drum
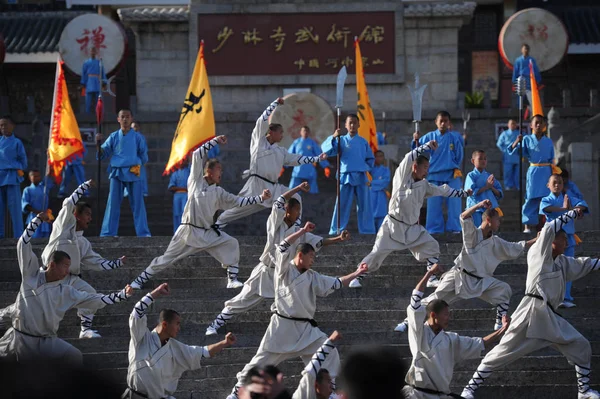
(304, 109)
(543, 31)
(93, 30)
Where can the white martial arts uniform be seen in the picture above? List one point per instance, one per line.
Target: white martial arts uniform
(41, 306)
(306, 387)
(260, 285)
(473, 273)
(291, 332)
(197, 231)
(400, 229)
(266, 161)
(154, 369)
(535, 323)
(434, 355)
(65, 237)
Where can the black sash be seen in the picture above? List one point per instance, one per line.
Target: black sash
(214, 227)
(30, 335)
(399, 221)
(470, 274)
(262, 178)
(547, 303)
(434, 392)
(311, 321)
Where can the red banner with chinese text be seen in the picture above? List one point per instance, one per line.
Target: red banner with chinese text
(292, 44)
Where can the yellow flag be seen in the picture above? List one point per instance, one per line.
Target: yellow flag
(65, 138)
(366, 118)
(197, 120)
(536, 106)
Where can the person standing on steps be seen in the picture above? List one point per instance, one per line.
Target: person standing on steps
(156, 359)
(267, 158)
(293, 332)
(128, 152)
(356, 159)
(305, 145)
(473, 273)
(484, 186)
(436, 351)
(197, 231)
(281, 223)
(178, 186)
(535, 323)
(13, 161)
(445, 164)
(512, 179)
(379, 184)
(400, 229)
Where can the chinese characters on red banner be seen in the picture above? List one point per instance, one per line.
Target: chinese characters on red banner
(315, 43)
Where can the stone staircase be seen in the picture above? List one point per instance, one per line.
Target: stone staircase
(365, 316)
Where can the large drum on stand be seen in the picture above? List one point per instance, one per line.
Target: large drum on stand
(543, 31)
(304, 109)
(93, 30)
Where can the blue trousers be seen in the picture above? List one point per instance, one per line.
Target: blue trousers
(295, 181)
(91, 98)
(435, 216)
(530, 211)
(143, 179)
(179, 201)
(378, 223)
(68, 173)
(364, 210)
(569, 251)
(10, 197)
(511, 175)
(110, 224)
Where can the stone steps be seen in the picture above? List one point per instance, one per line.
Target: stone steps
(365, 316)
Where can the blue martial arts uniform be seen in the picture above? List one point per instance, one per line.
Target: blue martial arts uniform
(538, 152)
(379, 199)
(306, 172)
(381, 140)
(90, 78)
(476, 180)
(573, 189)
(356, 159)
(179, 178)
(34, 196)
(569, 228)
(442, 165)
(214, 152)
(521, 68)
(12, 159)
(510, 162)
(125, 151)
(73, 167)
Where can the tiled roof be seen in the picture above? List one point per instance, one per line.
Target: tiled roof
(34, 32)
(146, 14)
(582, 23)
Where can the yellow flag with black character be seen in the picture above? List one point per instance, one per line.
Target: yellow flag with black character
(367, 128)
(197, 120)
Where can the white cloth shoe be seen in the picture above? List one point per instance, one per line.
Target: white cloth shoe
(210, 330)
(89, 334)
(468, 394)
(401, 327)
(497, 326)
(355, 283)
(234, 283)
(567, 304)
(433, 282)
(526, 230)
(232, 396)
(590, 394)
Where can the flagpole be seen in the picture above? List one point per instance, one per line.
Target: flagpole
(339, 103)
(99, 116)
(521, 90)
(44, 205)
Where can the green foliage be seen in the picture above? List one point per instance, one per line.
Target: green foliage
(474, 100)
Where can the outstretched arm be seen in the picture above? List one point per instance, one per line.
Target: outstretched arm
(200, 155)
(229, 340)
(344, 235)
(362, 269)
(446, 191)
(494, 337)
(306, 387)
(229, 200)
(28, 261)
(262, 125)
(138, 323)
(470, 211)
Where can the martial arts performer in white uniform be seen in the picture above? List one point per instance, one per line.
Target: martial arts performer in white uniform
(43, 300)
(156, 359)
(67, 236)
(197, 231)
(535, 323)
(436, 351)
(473, 273)
(400, 229)
(260, 285)
(267, 158)
(292, 331)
